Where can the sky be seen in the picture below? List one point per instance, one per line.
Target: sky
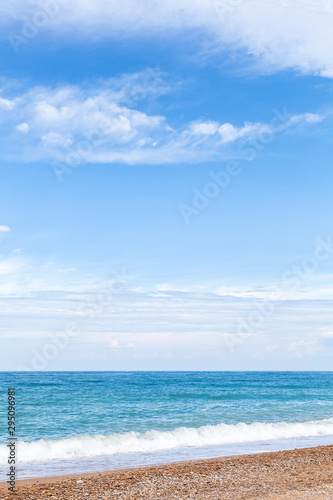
(166, 185)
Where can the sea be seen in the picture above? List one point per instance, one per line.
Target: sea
(77, 422)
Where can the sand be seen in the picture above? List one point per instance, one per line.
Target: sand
(294, 474)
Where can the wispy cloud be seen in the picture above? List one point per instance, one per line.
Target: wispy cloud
(276, 35)
(303, 348)
(104, 122)
(38, 298)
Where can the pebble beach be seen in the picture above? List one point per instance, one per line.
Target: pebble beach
(294, 474)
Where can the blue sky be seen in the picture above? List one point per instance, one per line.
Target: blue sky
(166, 180)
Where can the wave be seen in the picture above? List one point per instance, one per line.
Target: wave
(182, 437)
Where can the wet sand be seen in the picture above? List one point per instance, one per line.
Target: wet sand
(294, 474)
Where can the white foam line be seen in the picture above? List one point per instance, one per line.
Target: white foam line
(181, 437)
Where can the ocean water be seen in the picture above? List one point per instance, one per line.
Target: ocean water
(73, 422)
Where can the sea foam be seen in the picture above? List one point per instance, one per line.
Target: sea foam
(182, 437)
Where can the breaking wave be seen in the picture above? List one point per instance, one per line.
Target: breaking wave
(130, 442)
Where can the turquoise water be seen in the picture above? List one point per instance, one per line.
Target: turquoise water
(95, 420)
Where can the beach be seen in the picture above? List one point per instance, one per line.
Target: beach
(225, 434)
(294, 474)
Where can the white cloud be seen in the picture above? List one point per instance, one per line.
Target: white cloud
(302, 348)
(37, 303)
(69, 270)
(23, 127)
(306, 117)
(6, 104)
(102, 123)
(4, 229)
(326, 333)
(11, 267)
(115, 344)
(230, 133)
(281, 35)
(271, 348)
(277, 35)
(204, 128)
